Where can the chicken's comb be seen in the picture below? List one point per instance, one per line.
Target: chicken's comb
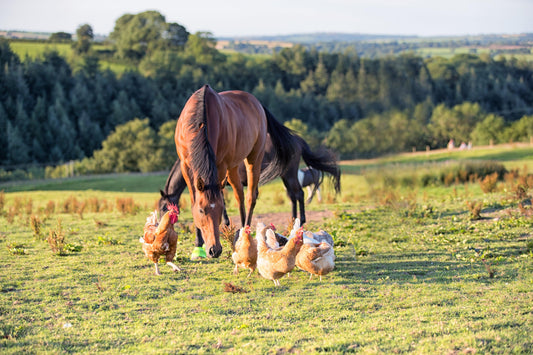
(173, 207)
(272, 226)
(247, 229)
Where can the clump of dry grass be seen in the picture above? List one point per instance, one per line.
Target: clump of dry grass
(50, 208)
(126, 205)
(519, 183)
(28, 208)
(489, 183)
(228, 234)
(475, 209)
(56, 239)
(11, 213)
(36, 225)
(70, 205)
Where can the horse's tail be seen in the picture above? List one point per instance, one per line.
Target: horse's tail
(283, 142)
(322, 160)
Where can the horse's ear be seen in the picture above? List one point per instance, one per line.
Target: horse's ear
(200, 184)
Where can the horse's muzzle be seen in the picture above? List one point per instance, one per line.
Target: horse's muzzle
(215, 251)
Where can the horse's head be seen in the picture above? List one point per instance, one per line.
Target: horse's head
(165, 200)
(207, 213)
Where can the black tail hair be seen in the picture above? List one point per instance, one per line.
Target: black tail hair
(323, 160)
(283, 141)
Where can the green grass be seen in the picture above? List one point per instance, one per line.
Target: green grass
(122, 182)
(36, 49)
(413, 274)
(512, 155)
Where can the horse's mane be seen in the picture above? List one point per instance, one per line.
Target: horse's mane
(202, 156)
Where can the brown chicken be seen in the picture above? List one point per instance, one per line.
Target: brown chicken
(160, 238)
(245, 254)
(272, 264)
(316, 258)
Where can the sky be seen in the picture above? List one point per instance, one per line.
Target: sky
(240, 18)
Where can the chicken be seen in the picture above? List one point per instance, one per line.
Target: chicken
(320, 236)
(275, 241)
(295, 228)
(160, 238)
(272, 264)
(245, 254)
(316, 258)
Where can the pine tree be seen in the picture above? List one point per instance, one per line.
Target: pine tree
(89, 134)
(17, 148)
(3, 133)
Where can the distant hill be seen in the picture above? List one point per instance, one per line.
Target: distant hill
(318, 37)
(43, 36)
(24, 35)
(376, 45)
(366, 45)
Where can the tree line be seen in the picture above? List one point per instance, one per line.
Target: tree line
(54, 109)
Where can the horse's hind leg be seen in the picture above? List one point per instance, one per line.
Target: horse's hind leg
(296, 194)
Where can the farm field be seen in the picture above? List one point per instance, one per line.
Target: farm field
(429, 260)
(36, 49)
(450, 52)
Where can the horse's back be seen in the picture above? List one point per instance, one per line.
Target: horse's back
(240, 121)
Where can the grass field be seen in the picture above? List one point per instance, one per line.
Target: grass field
(418, 270)
(35, 50)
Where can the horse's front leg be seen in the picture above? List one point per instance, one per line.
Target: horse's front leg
(199, 241)
(225, 216)
(253, 171)
(235, 182)
(302, 208)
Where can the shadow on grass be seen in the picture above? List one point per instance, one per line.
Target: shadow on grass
(409, 268)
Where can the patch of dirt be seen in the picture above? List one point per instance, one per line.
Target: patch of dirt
(282, 219)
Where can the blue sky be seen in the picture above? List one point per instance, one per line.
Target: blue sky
(272, 17)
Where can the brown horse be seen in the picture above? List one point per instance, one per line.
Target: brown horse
(319, 162)
(214, 134)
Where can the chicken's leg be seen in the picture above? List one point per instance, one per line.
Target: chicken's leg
(173, 266)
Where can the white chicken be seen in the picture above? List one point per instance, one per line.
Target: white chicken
(320, 236)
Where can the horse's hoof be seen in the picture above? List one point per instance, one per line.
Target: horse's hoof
(198, 253)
